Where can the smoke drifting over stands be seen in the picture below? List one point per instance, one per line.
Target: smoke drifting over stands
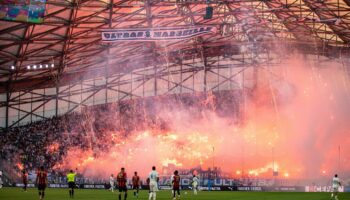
(306, 110)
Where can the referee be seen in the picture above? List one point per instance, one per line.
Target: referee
(71, 183)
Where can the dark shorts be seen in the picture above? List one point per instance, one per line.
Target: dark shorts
(135, 187)
(41, 186)
(176, 187)
(176, 190)
(123, 189)
(71, 185)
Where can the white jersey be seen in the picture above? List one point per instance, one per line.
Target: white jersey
(195, 182)
(336, 182)
(153, 176)
(111, 180)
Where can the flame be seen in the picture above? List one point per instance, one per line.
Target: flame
(291, 126)
(53, 147)
(166, 162)
(264, 170)
(20, 166)
(286, 174)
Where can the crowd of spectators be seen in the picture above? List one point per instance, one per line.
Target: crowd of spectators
(46, 142)
(42, 143)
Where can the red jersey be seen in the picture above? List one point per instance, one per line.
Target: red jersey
(135, 181)
(41, 177)
(25, 178)
(121, 179)
(176, 181)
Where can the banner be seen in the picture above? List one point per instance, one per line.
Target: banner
(212, 188)
(155, 34)
(30, 185)
(249, 188)
(209, 188)
(322, 189)
(347, 189)
(23, 10)
(92, 186)
(286, 189)
(58, 185)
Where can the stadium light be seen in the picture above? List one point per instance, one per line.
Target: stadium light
(36, 66)
(13, 67)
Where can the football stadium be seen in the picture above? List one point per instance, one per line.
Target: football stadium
(175, 99)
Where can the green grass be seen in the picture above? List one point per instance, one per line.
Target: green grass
(87, 194)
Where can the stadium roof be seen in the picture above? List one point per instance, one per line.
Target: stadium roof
(70, 35)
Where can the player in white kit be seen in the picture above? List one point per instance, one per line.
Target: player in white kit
(153, 183)
(111, 182)
(335, 185)
(171, 182)
(195, 183)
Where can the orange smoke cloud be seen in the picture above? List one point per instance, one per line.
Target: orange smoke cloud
(294, 121)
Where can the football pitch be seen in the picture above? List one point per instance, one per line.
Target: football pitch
(87, 194)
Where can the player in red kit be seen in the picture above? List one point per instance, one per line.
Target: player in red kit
(176, 184)
(25, 180)
(136, 184)
(41, 181)
(122, 179)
